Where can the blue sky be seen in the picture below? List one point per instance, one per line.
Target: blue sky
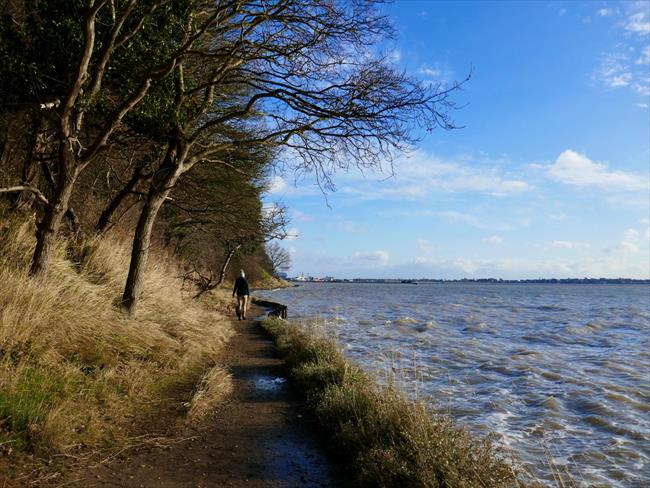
(549, 176)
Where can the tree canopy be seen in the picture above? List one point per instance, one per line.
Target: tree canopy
(205, 96)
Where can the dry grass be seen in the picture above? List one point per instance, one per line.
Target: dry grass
(75, 373)
(388, 440)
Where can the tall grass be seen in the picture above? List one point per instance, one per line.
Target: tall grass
(388, 440)
(75, 373)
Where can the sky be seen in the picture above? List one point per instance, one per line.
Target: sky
(548, 176)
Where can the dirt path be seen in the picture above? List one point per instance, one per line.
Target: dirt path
(259, 438)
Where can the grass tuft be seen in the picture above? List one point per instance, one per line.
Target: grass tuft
(388, 440)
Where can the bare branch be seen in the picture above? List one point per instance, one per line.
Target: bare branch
(12, 189)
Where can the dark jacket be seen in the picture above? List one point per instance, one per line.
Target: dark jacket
(241, 287)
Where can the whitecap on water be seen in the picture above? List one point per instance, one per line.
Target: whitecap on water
(405, 321)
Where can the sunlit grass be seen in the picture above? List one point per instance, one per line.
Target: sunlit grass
(75, 373)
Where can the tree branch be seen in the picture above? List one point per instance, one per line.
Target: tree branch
(12, 189)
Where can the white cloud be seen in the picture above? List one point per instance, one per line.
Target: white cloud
(625, 65)
(638, 23)
(425, 246)
(277, 185)
(637, 200)
(474, 221)
(376, 257)
(589, 266)
(614, 71)
(376, 265)
(436, 73)
(494, 240)
(633, 241)
(420, 174)
(577, 169)
(642, 105)
(430, 72)
(622, 79)
(570, 245)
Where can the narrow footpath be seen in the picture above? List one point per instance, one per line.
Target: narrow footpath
(259, 437)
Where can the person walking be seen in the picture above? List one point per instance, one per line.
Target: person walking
(243, 294)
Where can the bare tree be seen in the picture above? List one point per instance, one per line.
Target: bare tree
(299, 76)
(219, 216)
(280, 258)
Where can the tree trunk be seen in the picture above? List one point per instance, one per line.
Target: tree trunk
(105, 219)
(48, 227)
(226, 263)
(222, 273)
(163, 181)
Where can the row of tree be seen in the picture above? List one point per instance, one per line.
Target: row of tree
(180, 109)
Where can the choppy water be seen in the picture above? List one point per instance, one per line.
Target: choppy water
(563, 369)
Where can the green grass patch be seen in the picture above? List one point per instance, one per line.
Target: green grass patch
(28, 402)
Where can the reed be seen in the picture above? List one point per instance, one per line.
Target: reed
(75, 373)
(386, 439)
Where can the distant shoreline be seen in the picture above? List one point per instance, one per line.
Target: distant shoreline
(542, 281)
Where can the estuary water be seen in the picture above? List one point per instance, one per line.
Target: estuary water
(554, 370)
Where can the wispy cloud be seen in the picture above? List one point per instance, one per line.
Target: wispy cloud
(378, 258)
(425, 246)
(570, 245)
(477, 221)
(633, 242)
(577, 169)
(494, 240)
(609, 266)
(419, 174)
(277, 185)
(436, 73)
(625, 64)
(614, 70)
(638, 23)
